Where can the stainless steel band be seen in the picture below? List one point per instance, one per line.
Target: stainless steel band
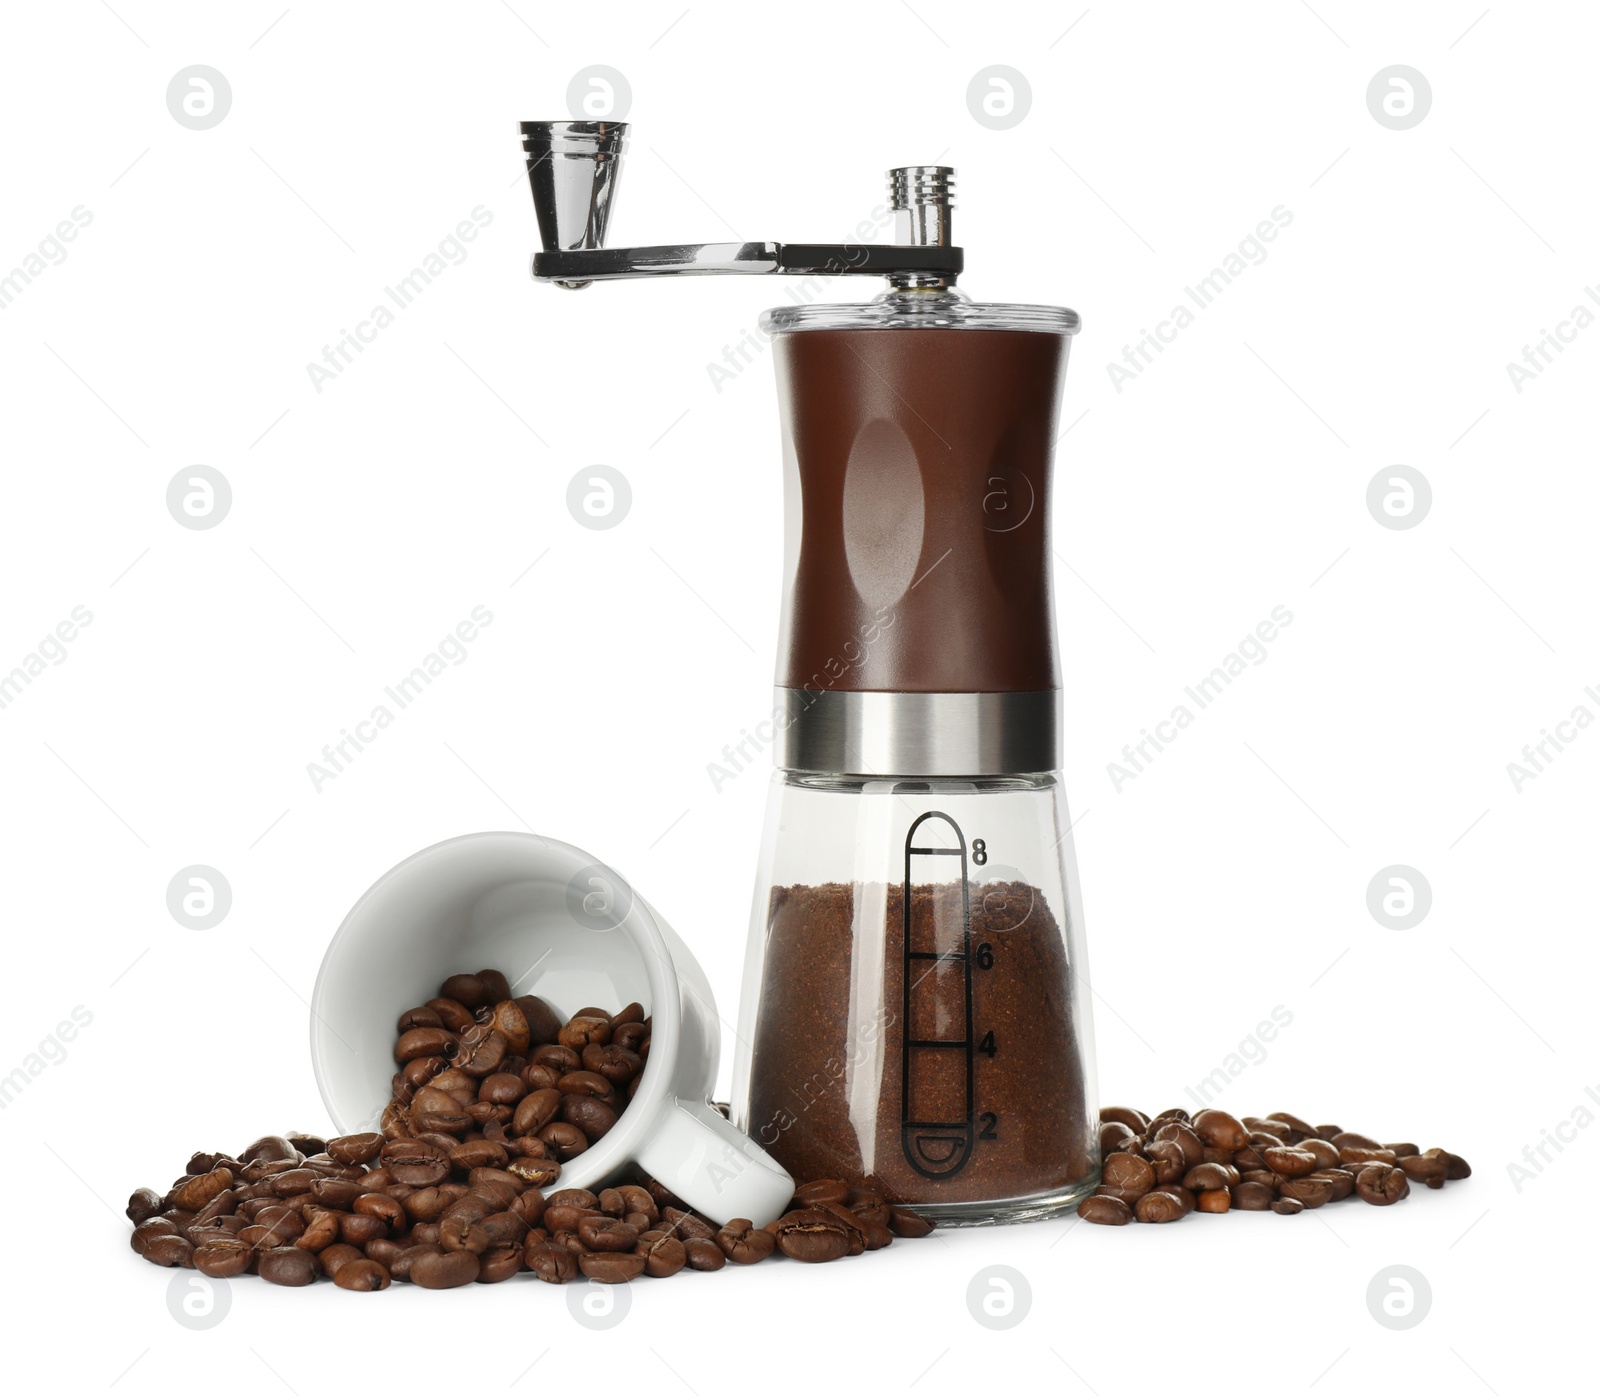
(918, 734)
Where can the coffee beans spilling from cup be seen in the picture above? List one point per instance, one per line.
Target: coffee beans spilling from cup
(493, 1093)
(1161, 1169)
(505, 1080)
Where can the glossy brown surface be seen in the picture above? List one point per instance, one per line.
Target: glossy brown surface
(921, 468)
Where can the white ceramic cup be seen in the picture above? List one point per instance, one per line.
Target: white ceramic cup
(561, 925)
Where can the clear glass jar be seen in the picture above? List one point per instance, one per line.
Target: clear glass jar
(915, 1005)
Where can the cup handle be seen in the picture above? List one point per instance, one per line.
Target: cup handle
(719, 1172)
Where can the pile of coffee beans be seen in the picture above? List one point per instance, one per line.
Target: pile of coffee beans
(493, 1093)
(1160, 1169)
(341, 1211)
(479, 1066)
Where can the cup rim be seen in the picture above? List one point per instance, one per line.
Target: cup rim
(641, 925)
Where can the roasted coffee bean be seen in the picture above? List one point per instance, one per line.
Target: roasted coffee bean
(356, 1228)
(1128, 1173)
(502, 1229)
(1347, 1138)
(501, 1088)
(1381, 1184)
(745, 1244)
(500, 1262)
(664, 1254)
(322, 1230)
(385, 1251)
(293, 1182)
(631, 1036)
(1159, 1206)
(466, 989)
(565, 1141)
(362, 1275)
(143, 1204)
(198, 1191)
(1167, 1159)
(482, 1052)
(1287, 1206)
(535, 1110)
(455, 1016)
(536, 1172)
(824, 1190)
(223, 1258)
(553, 1264)
(1186, 1139)
(1105, 1211)
(566, 1217)
(1135, 1120)
(172, 1249)
(637, 1199)
(582, 1030)
(1308, 1191)
(339, 1193)
(416, 1162)
(1360, 1154)
(1289, 1163)
(701, 1254)
(479, 1153)
(1342, 1179)
(1184, 1197)
(594, 1117)
(355, 1148)
(543, 1024)
(512, 1024)
(1213, 1200)
(559, 1059)
(1115, 1135)
(1424, 1168)
(417, 1018)
(447, 1270)
(1252, 1197)
(384, 1207)
(1218, 1129)
(908, 1224)
(613, 1267)
(494, 985)
(425, 1042)
(1207, 1177)
(539, 1078)
(808, 1234)
(286, 1265)
(687, 1224)
(586, 1083)
(617, 1064)
(604, 1233)
(270, 1148)
(400, 1267)
(873, 1235)
(1325, 1154)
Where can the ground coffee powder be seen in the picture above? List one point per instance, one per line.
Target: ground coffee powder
(981, 1052)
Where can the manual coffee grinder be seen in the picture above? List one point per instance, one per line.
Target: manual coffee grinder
(915, 1006)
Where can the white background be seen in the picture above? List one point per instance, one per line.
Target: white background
(430, 477)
